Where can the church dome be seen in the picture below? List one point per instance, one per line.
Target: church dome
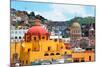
(37, 30)
(76, 25)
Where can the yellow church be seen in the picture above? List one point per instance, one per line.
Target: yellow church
(37, 46)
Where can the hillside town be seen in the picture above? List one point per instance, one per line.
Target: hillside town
(35, 40)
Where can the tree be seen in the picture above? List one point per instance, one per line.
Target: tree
(31, 15)
(83, 43)
(81, 20)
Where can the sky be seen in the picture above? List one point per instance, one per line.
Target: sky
(55, 12)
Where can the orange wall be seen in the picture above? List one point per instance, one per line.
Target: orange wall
(84, 55)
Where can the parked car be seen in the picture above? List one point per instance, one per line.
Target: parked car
(60, 61)
(36, 63)
(45, 62)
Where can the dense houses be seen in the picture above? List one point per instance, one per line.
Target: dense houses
(36, 42)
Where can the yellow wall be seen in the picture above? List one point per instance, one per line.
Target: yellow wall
(33, 55)
(38, 49)
(84, 55)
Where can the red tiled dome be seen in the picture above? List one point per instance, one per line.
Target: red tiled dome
(37, 30)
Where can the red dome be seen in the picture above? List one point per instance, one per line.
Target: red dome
(37, 30)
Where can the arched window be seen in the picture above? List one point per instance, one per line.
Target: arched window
(89, 58)
(47, 38)
(82, 59)
(46, 54)
(29, 50)
(15, 56)
(49, 48)
(15, 37)
(28, 38)
(26, 61)
(34, 38)
(20, 32)
(19, 37)
(43, 37)
(39, 38)
(15, 32)
(57, 53)
(65, 52)
(76, 59)
(55, 40)
(52, 54)
(61, 47)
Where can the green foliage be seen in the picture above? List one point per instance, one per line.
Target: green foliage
(83, 44)
(32, 14)
(81, 20)
(31, 23)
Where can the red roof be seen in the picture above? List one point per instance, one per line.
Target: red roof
(37, 30)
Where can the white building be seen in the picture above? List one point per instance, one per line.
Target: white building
(55, 37)
(17, 34)
(66, 40)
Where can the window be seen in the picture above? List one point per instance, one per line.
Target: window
(47, 38)
(65, 52)
(19, 37)
(15, 56)
(35, 48)
(29, 50)
(89, 58)
(66, 47)
(15, 32)
(55, 40)
(15, 37)
(23, 27)
(82, 60)
(28, 38)
(76, 60)
(19, 32)
(34, 38)
(61, 47)
(26, 62)
(49, 48)
(39, 38)
(52, 54)
(57, 53)
(46, 54)
(43, 37)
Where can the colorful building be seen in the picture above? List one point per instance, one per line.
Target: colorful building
(75, 34)
(86, 56)
(37, 46)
